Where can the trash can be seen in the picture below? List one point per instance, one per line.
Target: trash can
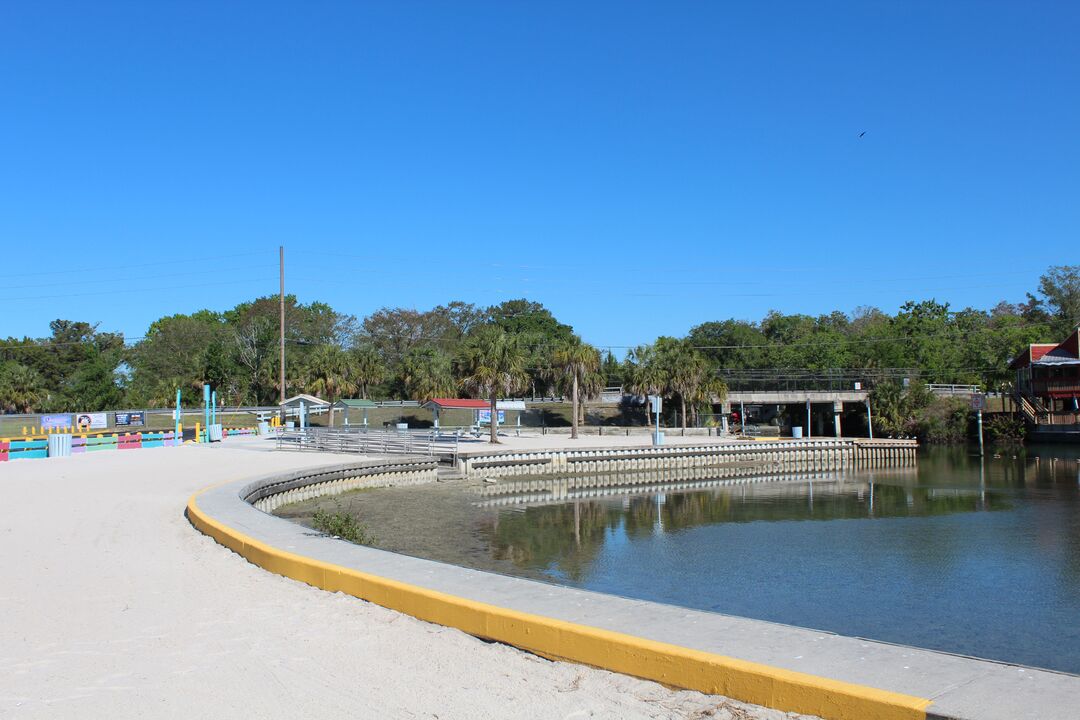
(59, 445)
(796, 432)
(264, 428)
(213, 433)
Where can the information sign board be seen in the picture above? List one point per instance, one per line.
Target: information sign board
(485, 417)
(94, 421)
(125, 419)
(55, 421)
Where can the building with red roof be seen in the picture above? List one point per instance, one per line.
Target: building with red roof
(1048, 381)
(481, 409)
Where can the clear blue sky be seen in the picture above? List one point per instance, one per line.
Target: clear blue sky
(637, 167)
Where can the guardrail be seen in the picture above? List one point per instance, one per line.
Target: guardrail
(368, 441)
(952, 390)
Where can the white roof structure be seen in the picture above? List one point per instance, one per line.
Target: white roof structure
(308, 400)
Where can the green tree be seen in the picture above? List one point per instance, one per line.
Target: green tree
(1060, 288)
(94, 385)
(733, 344)
(366, 369)
(22, 389)
(574, 364)
(326, 372)
(427, 373)
(689, 373)
(176, 353)
(645, 376)
(492, 362)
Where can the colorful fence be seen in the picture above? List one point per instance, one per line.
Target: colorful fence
(25, 448)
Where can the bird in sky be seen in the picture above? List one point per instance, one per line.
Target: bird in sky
(862, 133)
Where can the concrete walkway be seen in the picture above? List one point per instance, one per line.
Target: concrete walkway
(959, 687)
(113, 606)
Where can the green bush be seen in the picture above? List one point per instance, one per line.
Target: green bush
(1006, 430)
(944, 421)
(343, 525)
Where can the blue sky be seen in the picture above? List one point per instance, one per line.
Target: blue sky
(637, 167)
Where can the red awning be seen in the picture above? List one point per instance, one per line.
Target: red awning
(458, 404)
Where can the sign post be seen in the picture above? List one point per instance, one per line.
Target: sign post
(978, 400)
(206, 410)
(657, 406)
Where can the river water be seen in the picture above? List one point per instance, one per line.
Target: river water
(970, 557)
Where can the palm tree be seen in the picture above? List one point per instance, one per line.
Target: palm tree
(713, 390)
(326, 371)
(492, 362)
(366, 369)
(645, 376)
(574, 363)
(426, 373)
(691, 376)
(21, 388)
(676, 369)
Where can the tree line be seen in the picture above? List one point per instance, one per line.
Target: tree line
(517, 347)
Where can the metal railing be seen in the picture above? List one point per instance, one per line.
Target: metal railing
(952, 390)
(771, 380)
(1046, 387)
(370, 441)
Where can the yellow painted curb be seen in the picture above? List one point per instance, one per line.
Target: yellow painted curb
(671, 665)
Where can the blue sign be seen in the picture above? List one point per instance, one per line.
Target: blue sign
(485, 417)
(129, 418)
(55, 421)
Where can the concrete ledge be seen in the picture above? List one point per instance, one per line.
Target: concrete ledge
(784, 667)
(788, 455)
(271, 491)
(551, 637)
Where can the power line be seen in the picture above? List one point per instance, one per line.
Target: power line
(139, 278)
(119, 267)
(128, 291)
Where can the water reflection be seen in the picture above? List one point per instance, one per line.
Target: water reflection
(567, 532)
(978, 557)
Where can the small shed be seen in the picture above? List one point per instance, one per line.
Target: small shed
(435, 405)
(302, 405)
(517, 406)
(351, 406)
(481, 409)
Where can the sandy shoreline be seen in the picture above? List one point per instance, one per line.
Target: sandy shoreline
(114, 606)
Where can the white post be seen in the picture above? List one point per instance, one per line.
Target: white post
(808, 419)
(869, 419)
(980, 434)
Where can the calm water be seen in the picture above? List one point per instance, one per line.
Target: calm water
(980, 560)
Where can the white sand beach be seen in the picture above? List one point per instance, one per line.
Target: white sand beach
(113, 606)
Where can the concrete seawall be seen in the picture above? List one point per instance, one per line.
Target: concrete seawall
(779, 666)
(775, 456)
(271, 492)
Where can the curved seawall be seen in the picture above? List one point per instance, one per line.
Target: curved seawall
(779, 666)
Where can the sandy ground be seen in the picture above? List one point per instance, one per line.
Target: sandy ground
(112, 605)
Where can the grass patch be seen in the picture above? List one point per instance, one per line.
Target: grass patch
(343, 525)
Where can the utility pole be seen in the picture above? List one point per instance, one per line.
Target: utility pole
(281, 320)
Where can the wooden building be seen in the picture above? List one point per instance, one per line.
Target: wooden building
(1048, 381)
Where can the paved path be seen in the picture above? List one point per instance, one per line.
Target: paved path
(958, 687)
(113, 606)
